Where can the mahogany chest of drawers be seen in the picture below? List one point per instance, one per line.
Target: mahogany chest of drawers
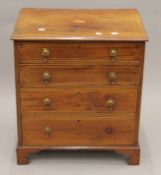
(78, 80)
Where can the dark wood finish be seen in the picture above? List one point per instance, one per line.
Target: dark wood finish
(78, 107)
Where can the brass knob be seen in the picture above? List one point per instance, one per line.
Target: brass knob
(45, 53)
(46, 77)
(112, 77)
(47, 102)
(113, 54)
(110, 103)
(47, 131)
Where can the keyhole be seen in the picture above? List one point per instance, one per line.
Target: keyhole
(78, 121)
(78, 47)
(78, 93)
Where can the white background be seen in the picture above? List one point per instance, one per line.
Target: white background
(83, 163)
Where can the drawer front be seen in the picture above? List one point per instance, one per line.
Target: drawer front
(79, 99)
(50, 76)
(62, 131)
(37, 52)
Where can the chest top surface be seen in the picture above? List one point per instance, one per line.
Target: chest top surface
(79, 24)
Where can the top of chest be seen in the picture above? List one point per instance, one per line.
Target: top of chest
(79, 25)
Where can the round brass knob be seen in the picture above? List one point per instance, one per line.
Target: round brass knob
(47, 102)
(47, 131)
(113, 54)
(45, 52)
(110, 103)
(46, 77)
(112, 77)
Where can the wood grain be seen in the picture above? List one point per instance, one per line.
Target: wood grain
(18, 98)
(79, 62)
(79, 24)
(133, 152)
(31, 76)
(79, 99)
(30, 52)
(73, 132)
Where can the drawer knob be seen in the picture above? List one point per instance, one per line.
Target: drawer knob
(113, 53)
(109, 130)
(110, 103)
(47, 102)
(47, 131)
(45, 54)
(46, 77)
(112, 77)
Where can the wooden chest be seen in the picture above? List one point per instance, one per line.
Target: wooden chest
(78, 80)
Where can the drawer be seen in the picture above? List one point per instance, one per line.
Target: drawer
(79, 99)
(63, 131)
(50, 76)
(49, 52)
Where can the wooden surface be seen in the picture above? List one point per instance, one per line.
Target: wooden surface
(132, 152)
(79, 85)
(74, 132)
(61, 24)
(31, 76)
(31, 52)
(79, 99)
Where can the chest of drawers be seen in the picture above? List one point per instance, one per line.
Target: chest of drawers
(78, 80)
